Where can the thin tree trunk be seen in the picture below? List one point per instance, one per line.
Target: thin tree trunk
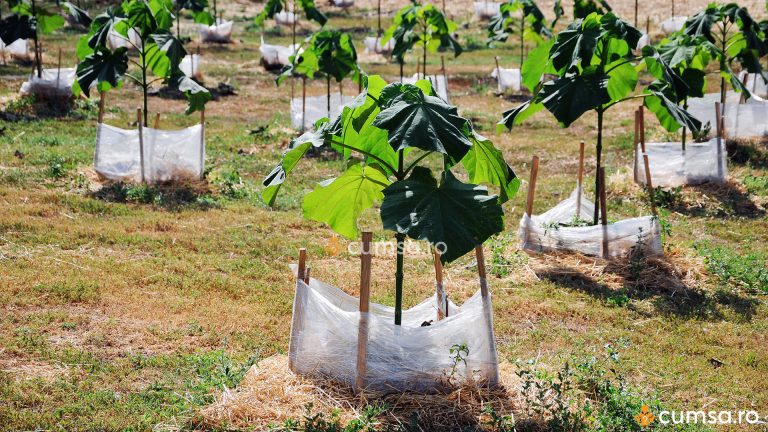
(328, 82)
(378, 12)
(522, 41)
(178, 29)
(144, 86)
(293, 47)
(38, 54)
(685, 107)
(598, 153)
(424, 66)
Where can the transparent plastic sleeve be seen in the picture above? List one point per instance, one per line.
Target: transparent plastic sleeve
(277, 55)
(168, 155)
(327, 327)
(742, 120)
(190, 65)
(673, 24)
(542, 233)
(486, 9)
(510, 78)
(317, 108)
(670, 166)
(220, 32)
(376, 45)
(18, 49)
(52, 83)
(439, 83)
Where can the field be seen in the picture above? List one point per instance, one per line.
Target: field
(133, 307)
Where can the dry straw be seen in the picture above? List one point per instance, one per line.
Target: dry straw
(270, 394)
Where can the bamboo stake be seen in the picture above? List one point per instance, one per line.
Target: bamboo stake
(303, 102)
(481, 270)
(719, 132)
(603, 212)
(306, 275)
(362, 330)
(493, 377)
(141, 142)
(579, 180)
(445, 74)
(642, 127)
(102, 96)
(442, 301)
(202, 144)
(635, 141)
(157, 121)
(742, 98)
(532, 185)
(649, 184)
(498, 76)
(298, 315)
(58, 69)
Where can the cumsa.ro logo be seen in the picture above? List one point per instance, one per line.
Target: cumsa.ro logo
(645, 417)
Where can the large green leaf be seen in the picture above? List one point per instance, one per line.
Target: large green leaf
(78, 15)
(139, 16)
(569, 97)
(48, 21)
(517, 115)
(485, 164)
(100, 28)
(671, 116)
(102, 66)
(340, 202)
(623, 79)
(454, 214)
(274, 180)
(16, 27)
(425, 122)
(576, 44)
(172, 47)
(536, 64)
(197, 95)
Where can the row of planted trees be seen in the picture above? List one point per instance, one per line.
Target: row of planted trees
(590, 66)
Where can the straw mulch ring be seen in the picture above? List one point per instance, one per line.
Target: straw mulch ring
(270, 394)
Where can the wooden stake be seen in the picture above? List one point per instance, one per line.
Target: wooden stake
(102, 95)
(298, 315)
(306, 275)
(302, 263)
(445, 74)
(603, 211)
(649, 184)
(202, 144)
(635, 141)
(442, 301)
(579, 180)
(362, 329)
(719, 132)
(303, 102)
(498, 76)
(481, 270)
(641, 117)
(141, 143)
(58, 69)
(742, 98)
(532, 185)
(157, 121)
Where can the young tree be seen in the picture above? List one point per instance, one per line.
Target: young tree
(160, 52)
(393, 129)
(273, 7)
(329, 53)
(30, 18)
(423, 25)
(595, 69)
(582, 8)
(199, 10)
(532, 26)
(730, 34)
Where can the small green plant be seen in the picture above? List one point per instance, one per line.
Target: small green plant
(56, 166)
(667, 198)
(637, 256)
(458, 354)
(549, 397)
(748, 271)
(497, 422)
(320, 422)
(215, 371)
(69, 292)
(501, 265)
(231, 185)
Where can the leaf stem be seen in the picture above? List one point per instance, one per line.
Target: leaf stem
(412, 165)
(370, 155)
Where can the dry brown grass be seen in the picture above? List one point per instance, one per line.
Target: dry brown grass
(271, 394)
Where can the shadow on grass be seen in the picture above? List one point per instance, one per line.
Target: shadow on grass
(33, 108)
(716, 200)
(660, 282)
(173, 197)
(745, 151)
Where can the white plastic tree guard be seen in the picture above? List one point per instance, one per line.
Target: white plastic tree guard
(18, 49)
(486, 10)
(673, 164)
(276, 55)
(355, 342)
(316, 108)
(755, 83)
(190, 65)
(286, 18)
(439, 83)
(673, 24)
(376, 45)
(507, 79)
(545, 232)
(343, 3)
(220, 32)
(741, 119)
(52, 83)
(644, 41)
(149, 155)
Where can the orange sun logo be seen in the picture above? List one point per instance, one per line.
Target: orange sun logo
(646, 417)
(334, 246)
